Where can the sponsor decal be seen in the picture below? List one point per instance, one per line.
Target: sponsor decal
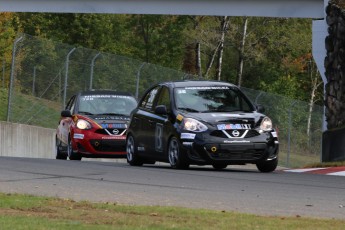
(112, 118)
(115, 138)
(181, 91)
(91, 97)
(233, 126)
(179, 117)
(114, 126)
(188, 136)
(187, 143)
(141, 148)
(78, 136)
(239, 141)
(208, 87)
(226, 115)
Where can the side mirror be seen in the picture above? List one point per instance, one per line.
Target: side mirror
(260, 108)
(161, 110)
(66, 113)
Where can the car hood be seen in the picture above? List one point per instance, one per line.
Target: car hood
(227, 118)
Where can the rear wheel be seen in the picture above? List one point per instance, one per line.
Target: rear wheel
(267, 166)
(132, 156)
(219, 166)
(177, 157)
(59, 155)
(71, 154)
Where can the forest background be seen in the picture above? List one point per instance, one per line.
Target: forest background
(267, 54)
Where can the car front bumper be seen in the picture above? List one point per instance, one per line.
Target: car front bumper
(207, 149)
(98, 145)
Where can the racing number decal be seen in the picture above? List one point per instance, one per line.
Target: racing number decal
(159, 138)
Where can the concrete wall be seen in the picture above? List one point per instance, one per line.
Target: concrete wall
(18, 140)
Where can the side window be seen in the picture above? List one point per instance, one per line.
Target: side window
(164, 98)
(149, 98)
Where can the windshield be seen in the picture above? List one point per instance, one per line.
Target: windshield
(106, 104)
(211, 99)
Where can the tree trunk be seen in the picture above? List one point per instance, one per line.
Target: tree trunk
(145, 33)
(212, 60)
(224, 28)
(198, 59)
(241, 53)
(315, 80)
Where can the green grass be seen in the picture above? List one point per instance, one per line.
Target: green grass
(31, 212)
(30, 110)
(297, 160)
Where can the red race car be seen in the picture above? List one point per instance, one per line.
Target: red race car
(94, 124)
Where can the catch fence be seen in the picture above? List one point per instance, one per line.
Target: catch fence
(45, 74)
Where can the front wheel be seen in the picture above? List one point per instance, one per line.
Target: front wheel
(177, 157)
(267, 166)
(132, 157)
(59, 155)
(219, 166)
(71, 154)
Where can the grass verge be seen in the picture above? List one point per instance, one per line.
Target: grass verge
(32, 212)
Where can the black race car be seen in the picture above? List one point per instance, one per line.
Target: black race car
(201, 123)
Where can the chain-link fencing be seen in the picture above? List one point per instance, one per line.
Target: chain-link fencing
(298, 124)
(45, 74)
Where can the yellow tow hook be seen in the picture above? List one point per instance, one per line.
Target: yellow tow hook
(213, 149)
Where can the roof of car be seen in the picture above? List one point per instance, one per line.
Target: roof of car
(196, 83)
(95, 92)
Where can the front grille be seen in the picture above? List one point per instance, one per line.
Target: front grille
(250, 133)
(109, 145)
(246, 152)
(254, 154)
(111, 131)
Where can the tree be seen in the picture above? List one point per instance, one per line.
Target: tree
(8, 27)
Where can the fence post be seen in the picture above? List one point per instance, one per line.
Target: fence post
(138, 78)
(289, 135)
(12, 77)
(66, 77)
(91, 71)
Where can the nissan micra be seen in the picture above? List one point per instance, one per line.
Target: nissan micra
(188, 123)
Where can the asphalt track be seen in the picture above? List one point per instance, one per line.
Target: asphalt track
(240, 189)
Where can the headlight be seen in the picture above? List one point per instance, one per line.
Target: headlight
(266, 124)
(82, 124)
(193, 125)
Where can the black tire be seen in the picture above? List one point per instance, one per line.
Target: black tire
(177, 158)
(219, 166)
(59, 155)
(267, 166)
(132, 155)
(71, 154)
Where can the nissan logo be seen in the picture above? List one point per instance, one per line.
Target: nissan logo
(235, 133)
(116, 131)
